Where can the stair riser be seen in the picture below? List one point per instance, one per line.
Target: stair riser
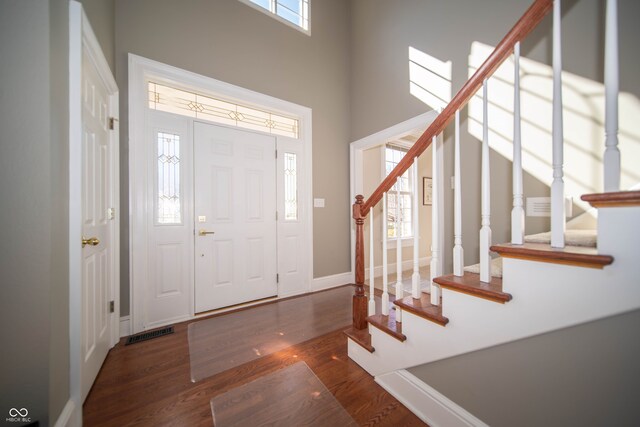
(548, 298)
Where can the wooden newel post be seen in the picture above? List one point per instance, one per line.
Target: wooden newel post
(359, 300)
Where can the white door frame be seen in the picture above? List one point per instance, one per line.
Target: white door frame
(140, 71)
(82, 41)
(356, 169)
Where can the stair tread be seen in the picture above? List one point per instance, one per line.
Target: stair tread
(422, 307)
(388, 324)
(613, 199)
(470, 283)
(571, 255)
(360, 337)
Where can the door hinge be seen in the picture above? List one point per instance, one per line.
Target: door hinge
(112, 306)
(276, 215)
(276, 154)
(112, 123)
(277, 278)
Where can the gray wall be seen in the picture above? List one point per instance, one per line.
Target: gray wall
(587, 375)
(230, 41)
(101, 14)
(34, 45)
(381, 34)
(26, 212)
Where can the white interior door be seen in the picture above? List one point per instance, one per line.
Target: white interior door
(235, 216)
(97, 224)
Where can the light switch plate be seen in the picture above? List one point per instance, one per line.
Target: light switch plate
(318, 203)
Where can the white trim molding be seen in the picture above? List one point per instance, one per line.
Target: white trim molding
(425, 402)
(333, 281)
(69, 417)
(125, 326)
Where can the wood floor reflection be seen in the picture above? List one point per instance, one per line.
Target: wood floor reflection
(149, 383)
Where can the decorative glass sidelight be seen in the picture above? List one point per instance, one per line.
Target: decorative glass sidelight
(290, 187)
(185, 103)
(168, 197)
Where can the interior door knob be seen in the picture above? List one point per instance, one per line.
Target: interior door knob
(205, 232)
(93, 241)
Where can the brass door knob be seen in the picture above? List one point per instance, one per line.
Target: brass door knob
(93, 241)
(205, 232)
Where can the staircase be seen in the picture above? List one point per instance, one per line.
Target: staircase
(546, 282)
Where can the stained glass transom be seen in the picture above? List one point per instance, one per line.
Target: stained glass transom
(169, 209)
(185, 103)
(290, 187)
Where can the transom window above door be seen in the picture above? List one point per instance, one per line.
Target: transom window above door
(291, 12)
(185, 103)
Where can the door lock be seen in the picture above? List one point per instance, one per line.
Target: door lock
(205, 232)
(93, 241)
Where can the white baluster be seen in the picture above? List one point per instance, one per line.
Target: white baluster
(435, 224)
(385, 279)
(557, 186)
(485, 231)
(611, 89)
(517, 213)
(415, 278)
(399, 289)
(458, 251)
(372, 301)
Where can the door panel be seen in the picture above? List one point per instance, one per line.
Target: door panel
(96, 258)
(235, 198)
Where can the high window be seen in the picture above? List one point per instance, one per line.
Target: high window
(292, 12)
(400, 197)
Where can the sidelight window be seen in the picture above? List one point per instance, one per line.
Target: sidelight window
(168, 175)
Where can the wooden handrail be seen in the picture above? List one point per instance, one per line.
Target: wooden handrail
(530, 20)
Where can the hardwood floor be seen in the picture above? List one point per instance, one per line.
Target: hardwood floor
(149, 383)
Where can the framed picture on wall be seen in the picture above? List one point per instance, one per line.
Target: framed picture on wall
(427, 191)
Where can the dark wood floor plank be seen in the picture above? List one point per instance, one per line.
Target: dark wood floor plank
(149, 383)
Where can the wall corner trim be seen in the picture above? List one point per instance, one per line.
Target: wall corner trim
(425, 402)
(125, 326)
(70, 416)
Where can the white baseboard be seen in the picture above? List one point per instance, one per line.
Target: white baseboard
(70, 416)
(425, 402)
(391, 268)
(125, 326)
(327, 282)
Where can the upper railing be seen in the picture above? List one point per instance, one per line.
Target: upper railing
(530, 20)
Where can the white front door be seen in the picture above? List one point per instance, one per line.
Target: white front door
(97, 223)
(235, 216)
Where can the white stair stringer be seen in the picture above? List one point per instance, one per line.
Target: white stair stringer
(546, 297)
